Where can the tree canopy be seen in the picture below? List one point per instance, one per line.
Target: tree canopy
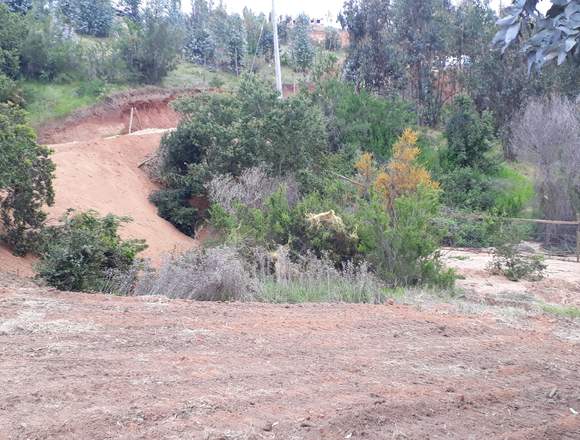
(553, 36)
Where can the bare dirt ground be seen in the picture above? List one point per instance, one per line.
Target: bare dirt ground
(560, 286)
(79, 366)
(98, 168)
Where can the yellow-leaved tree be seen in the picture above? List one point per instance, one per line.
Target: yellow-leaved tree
(402, 175)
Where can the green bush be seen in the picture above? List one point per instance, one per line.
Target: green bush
(467, 188)
(469, 136)
(173, 206)
(403, 248)
(150, 48)
(12, 34)
(223, 134)
(26, 173)
(80, 253)
(47, 54)
(95, 88)
(9, 90)
(359, 120)
(508, 261)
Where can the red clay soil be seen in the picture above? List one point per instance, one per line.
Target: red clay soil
(110, 118)
(79, 366)
(97, 172)
(103, 175)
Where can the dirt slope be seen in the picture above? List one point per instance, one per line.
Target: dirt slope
(77, 366)
(103, 175)
(100, 172)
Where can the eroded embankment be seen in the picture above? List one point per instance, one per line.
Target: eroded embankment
(151, 109)
(97, 167)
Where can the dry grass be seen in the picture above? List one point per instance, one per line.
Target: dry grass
(251, 189)
(215, 274)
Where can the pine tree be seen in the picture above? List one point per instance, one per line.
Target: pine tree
(302, 49)
(19, 6)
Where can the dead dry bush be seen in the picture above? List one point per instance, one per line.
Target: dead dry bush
(252, 188)
(547, 134)
(215, 274)
(229, 273)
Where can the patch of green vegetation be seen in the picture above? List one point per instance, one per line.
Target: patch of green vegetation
(305, 291)
(518, 190)
(47, 101)
(562, 311)
(187, 75)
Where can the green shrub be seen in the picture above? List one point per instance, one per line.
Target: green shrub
(9, 90)
(80, 253)
(173, 205)
(26, 173)
(508, 261)
(150, 48)
(95, 88)
(469, 136)
(512, 191)
(48, 54)
(467, 188)
(403, 248)
(221, 134)
(460, 232)
(12, 34)
(359, 120)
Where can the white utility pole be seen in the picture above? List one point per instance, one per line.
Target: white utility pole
(276, 50)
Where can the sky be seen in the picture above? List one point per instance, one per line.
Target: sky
(313, 8)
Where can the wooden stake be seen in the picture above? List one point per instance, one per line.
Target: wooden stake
(131, 120)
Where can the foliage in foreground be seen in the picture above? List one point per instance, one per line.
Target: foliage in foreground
(391, 230)
(80, 253)
(554, 36)
(233, 273)
(26, 173)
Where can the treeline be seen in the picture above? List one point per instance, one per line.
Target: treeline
(425, 51)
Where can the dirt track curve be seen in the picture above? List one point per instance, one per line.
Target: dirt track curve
(78, 366)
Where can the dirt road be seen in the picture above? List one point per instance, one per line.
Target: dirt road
(77, 366)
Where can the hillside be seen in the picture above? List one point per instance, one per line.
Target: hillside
(97, 168)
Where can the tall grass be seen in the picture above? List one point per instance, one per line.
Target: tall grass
(227, 273)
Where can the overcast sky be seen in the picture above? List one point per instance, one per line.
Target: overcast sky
(290, 7)
(314, 8)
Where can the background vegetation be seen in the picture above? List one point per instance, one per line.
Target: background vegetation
(375, 160)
